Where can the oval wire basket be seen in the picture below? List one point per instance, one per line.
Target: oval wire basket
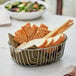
(38, 56)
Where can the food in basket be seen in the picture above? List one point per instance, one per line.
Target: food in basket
(38, 45)
(58, 39)
(42, 43)
(27, 33)
(41, 37)
(49, 42)
(25, 6)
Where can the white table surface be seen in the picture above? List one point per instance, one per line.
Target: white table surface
(9, 68)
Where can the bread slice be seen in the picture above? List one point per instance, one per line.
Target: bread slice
(56, 40)
(49, 42)
(62, 38)
(40, 43)
(22, 46)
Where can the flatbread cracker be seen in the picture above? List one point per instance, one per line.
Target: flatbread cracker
(41, 32)
(30, 31)
(20, 36)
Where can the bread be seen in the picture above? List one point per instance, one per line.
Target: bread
(57, 39)
(49, 42)
(20, 36)
(27, 33)
(35, 27)
(33, 32)
(43, 26)
(29, 30)
(41, 43)
(60, 29)
(62, 38)
(37, 42)
(41, 32)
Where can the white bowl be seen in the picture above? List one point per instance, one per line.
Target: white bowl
(24, 15)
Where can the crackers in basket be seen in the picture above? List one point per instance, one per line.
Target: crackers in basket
(28, 32)
(40, 36)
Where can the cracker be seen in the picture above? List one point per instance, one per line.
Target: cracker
(43, 26)
(30, 31)
(41, 32)
(20, 36)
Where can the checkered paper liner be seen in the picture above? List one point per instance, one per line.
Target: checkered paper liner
(37, 57)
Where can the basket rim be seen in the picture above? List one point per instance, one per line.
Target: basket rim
(40, 48)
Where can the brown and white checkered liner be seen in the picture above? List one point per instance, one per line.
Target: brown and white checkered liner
(38, 56)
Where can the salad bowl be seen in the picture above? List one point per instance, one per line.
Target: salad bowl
(26, 15)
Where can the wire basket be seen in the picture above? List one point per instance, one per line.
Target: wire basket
(37, 57)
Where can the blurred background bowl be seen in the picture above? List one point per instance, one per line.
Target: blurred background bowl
(24, 15)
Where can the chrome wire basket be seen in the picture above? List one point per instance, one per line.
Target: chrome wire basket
(37, 57)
